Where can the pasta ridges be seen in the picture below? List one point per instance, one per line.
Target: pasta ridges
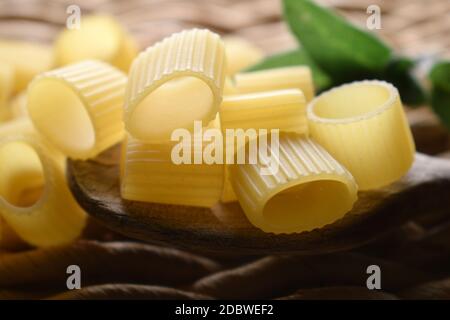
(284, 110)
(194, 59)
(368, 134)
(298, 77)
(100, 90)
(302, 165)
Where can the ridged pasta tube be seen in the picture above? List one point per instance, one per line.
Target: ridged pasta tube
(100, 37)
(149, 173)
(364, 127)
(173, 83)
(79, 108)
(35, 200)
(309, 190)
(298, 77)
(284, 110)
(8, 238)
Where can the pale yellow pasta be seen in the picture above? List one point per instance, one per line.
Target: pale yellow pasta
(241, 54)
(100, 37)
(364, 127)
(35, 200)
(284, 110)
(6, 88)
(298, 77)
(8, 238)
(27, 60)
(173, 83)
(229, 87)
(18, 126)
(18, 106)
(79, 108)
(228, 194)
(150, 174)
(309, 190)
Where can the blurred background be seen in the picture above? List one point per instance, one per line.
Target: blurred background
(413, 27)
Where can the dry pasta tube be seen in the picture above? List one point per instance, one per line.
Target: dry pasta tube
(27, 60)
(364, 127)
(150, 173)
(30, 170)
(9, 240)
(6, 88)
(228, 193)
(99, 37)
(173, 83)
(79, 108)
(241, 54)
(298, 77)
(12, 128)
(284, 110)
(309, 190)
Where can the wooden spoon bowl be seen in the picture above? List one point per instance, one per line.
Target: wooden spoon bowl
(225, 229)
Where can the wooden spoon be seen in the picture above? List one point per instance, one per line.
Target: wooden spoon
(224, 228)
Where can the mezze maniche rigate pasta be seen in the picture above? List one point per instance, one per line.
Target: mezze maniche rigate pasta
(353, 137)
(35, 200)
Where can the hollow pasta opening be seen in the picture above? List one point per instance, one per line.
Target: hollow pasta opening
(175, 104)
(352, 100)
(21, 174)
(61, 116)
(308, 206)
